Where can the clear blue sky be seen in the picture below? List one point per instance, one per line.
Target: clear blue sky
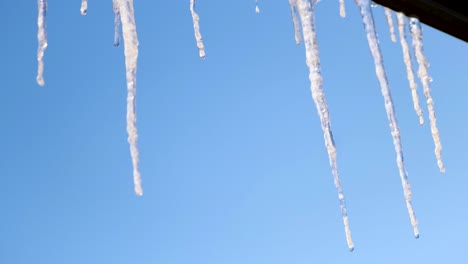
(232, 156)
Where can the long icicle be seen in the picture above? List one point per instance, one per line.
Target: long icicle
(41, 39)
(342, 9)
(388, 15)
(368, 21)
(196, 28)
(116, 8)
(409, 66)
(131, 55)
(297, 32)
(416, 35)
(306, 13)
(84, 7)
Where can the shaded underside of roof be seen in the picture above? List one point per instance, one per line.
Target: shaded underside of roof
(449, 16)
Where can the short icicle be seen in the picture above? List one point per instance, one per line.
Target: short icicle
(306, 13)
(84, 7)
(41, 39)
(297, 31)
(409, 67)
(423, 74)
(131, 55)
(388, 15)
(342, 9)
(196, 28)
(257, 9)
(116, 7)
(368, 20)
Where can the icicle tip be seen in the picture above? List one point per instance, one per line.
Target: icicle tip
(40, 81)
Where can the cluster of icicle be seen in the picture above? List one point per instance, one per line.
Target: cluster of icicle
(124, 16)
(305, 9)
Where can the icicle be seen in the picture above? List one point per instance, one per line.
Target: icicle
(388, 14)
(41, 39)
(84, 7)
(306, 13)
(297, 32)
(342, 9)
(131, 54)
(196, 27)
(416, 35)
(409, 66)
(116, 7)
(257, 9)
(368, 21)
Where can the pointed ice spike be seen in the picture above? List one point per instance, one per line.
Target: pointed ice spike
(116, 7)
(41, 39)
(342, 9)
(84, 7)
(388, 15)
(409, 66)
(423, 74)
(297, 32)
(131, 55)
(196, 28)
(257, 9)
(368, 20)
(306, 13)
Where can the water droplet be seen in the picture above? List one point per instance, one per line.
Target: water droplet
(416, 236)
(351, 249)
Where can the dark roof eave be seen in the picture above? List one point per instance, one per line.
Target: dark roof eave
(449, 16)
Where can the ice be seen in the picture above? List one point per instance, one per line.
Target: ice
(116, 7)
(306, 12)
(388, 15)
(409, 66)
(297, 32)
(368, 20)
(423, 74)
(196, 27)
(257, 9)
(41, 39)
(131, 55)
(342, 9)
(84, 7)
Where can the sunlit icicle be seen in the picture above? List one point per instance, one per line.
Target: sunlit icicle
(388, 15)
(409, 66)
(41, 39)
(116, 7)
(257, 9)
(84, 7)
(342, 9)
(196, 28)
(306, 13)
(131, 55)
(297, 32)
(416, 36)
(371, 33)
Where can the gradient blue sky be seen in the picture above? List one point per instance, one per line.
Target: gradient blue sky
(232, 156)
